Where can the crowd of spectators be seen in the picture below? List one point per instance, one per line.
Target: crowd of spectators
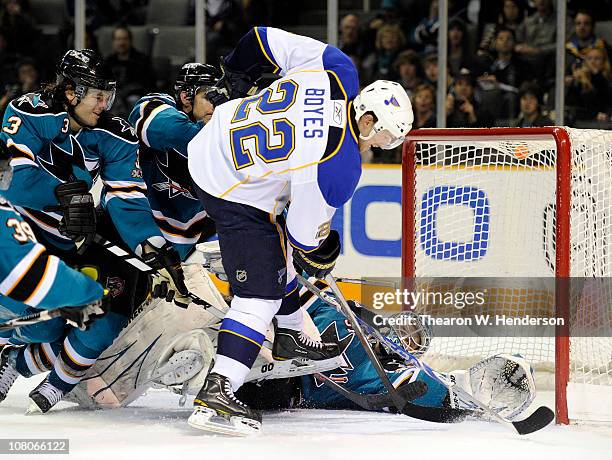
(501, 61)
(501, 53)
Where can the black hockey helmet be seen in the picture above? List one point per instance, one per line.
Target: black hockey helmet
(194, 76)
(85, 69)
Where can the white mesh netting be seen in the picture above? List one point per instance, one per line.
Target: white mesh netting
(486, 208)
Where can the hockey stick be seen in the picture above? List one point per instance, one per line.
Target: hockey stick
(28, 320)
(137, 263)
(376, 402)
(536, 421)
(398, 400)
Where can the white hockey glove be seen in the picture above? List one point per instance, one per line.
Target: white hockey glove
(505, 383)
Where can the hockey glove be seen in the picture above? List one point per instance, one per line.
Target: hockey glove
(169, 281)
(321, 261)
(217, 96)
(83, 317)
(79, 212)
(237, 84)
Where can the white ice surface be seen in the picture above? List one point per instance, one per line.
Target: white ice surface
(154, 427)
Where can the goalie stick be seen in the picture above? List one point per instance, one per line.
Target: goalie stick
(376, 402)
(398, 400)
(540, 418)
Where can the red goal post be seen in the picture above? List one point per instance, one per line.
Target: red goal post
(489, 158)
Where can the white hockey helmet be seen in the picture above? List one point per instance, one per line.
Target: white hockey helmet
(391, 105)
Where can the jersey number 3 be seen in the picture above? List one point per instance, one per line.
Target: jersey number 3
(255, 138)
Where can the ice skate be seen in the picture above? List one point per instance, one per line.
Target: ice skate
(291, 344)
(8, 373)
(217, 410)
(44, 397)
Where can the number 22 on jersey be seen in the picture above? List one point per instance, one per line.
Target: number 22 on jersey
(255, 139)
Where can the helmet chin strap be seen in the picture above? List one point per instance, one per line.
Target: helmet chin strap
(71, 111)
(369, 136)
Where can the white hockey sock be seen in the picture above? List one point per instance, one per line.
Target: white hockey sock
(293, 321)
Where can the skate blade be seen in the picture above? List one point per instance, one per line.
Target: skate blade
(33, 409)
(207, 419)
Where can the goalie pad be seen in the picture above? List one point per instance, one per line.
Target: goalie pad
(140, 356)
(505, 383)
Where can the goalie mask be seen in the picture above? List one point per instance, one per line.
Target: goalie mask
(392, 110)
(408, 331)
(85, 70)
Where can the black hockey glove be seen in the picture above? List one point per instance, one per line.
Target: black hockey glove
(83, 317)
(217, 96)
(169, 281)
(79, 212)
(237, 84)
(321, 261)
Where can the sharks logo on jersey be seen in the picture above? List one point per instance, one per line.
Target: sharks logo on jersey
(173, 166)
(330, 334)
(61, 160)
(125, 126)
(33, 99)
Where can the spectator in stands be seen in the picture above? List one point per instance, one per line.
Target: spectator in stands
(389, 42)
(462, 109)
(410, 70)
(28, 80)
(18, 27)
(425, 34)
(589, 90)
(506, 67)
(459, 52)
(424, 107)
(536, 36)
(132, 69)
(530, 96)
(512, 14)
(582, 39)
(504, 73)
(350, 41)
(430, 67)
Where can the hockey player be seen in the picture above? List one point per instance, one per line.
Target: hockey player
(503, 382)
(299, 140)
(159, 348)
(61, 139)
(31, 279)
(164, 125)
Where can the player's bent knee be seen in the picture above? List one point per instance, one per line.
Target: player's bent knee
(100, 335)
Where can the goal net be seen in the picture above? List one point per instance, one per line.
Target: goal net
(525, 217)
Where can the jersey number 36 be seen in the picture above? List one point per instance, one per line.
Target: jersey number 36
(255, 139)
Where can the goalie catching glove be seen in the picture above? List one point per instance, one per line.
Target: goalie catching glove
(320, 261)
(79, 213)
(169, 281)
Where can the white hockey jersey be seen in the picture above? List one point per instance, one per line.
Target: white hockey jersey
(295, 141)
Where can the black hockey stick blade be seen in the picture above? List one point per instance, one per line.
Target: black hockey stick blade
(536, 421)
(376, 402)
(436, 414)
